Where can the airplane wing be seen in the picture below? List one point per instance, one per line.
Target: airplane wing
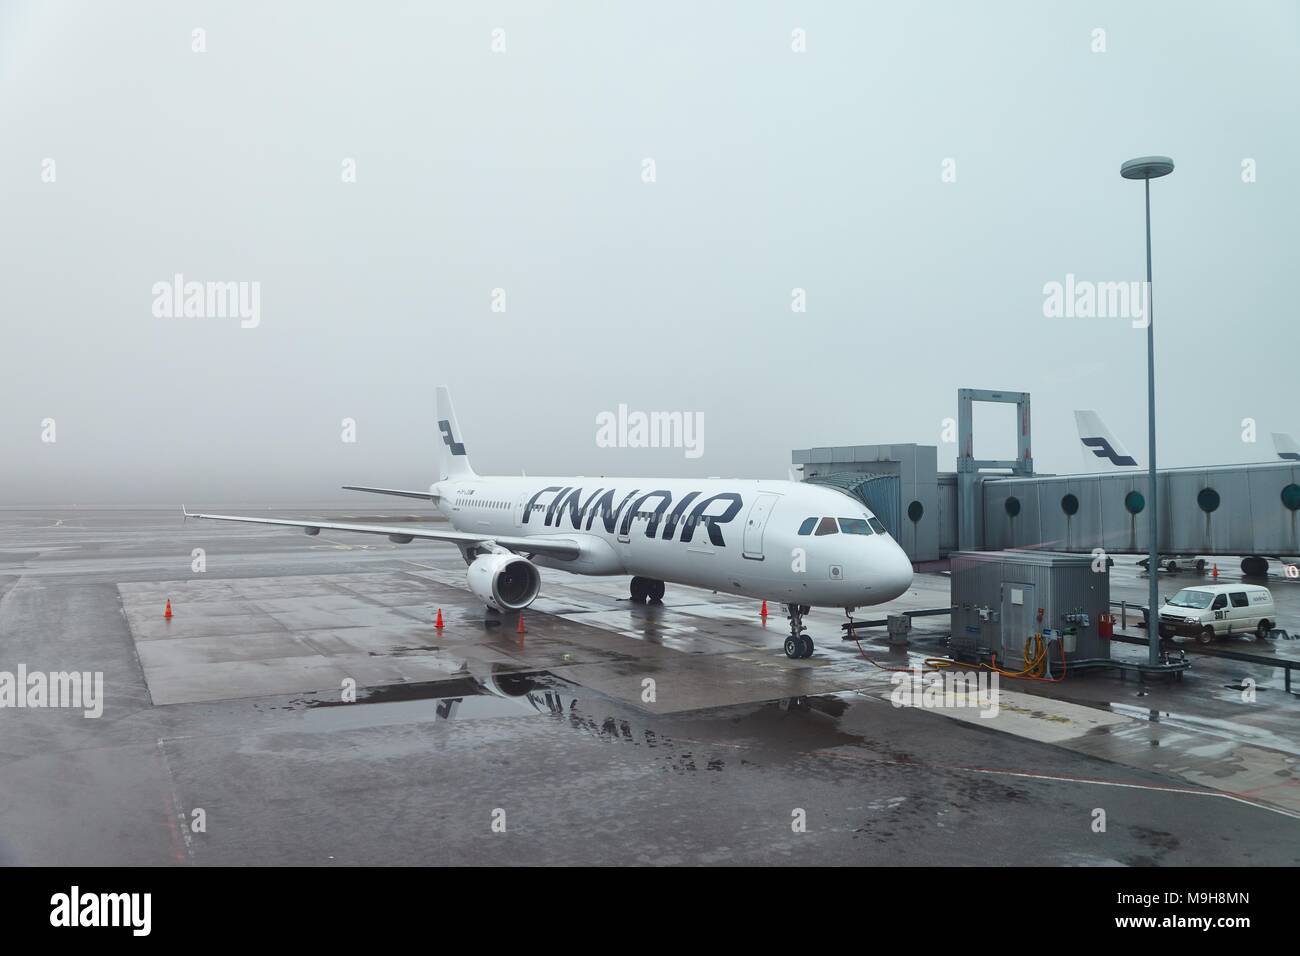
(551, 547)
(392, 491)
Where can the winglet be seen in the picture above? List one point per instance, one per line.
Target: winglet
(184, 513)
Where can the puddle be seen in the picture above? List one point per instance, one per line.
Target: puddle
(1229, 729)
(463, 697)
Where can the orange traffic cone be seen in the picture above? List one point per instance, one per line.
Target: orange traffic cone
(1215, 572)
(763, 612)
(168, 612)
(520, 628)
(438, 622)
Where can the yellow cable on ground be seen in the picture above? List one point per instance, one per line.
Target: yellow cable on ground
(1035, 662)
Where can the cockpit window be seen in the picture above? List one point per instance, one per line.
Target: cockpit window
(877, 526)
(807, 526)
(826, 526)
(855, 526)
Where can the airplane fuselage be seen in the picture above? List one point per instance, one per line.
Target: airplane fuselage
(735, 536)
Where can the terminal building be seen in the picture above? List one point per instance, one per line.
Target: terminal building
(986, 505)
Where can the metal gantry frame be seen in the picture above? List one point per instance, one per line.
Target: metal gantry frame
(969, 467)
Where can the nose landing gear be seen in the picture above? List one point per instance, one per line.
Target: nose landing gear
(798, 644)
(646, 589)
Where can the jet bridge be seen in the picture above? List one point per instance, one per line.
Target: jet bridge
(1210, 510)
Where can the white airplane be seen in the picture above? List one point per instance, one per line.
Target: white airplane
(800, 544)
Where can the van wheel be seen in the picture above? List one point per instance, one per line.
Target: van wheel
(1206, 636)
(1262, 632)
(1200, 564)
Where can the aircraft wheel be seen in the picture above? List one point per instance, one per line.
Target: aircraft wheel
(640, 590)
(806, 647)
(793, 648)
(656, 590)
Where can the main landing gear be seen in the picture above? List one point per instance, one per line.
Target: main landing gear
(647, 589)
(798, 644)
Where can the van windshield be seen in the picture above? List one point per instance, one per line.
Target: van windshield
(1190, 598)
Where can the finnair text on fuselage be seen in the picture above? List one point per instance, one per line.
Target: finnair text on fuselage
(554, 502)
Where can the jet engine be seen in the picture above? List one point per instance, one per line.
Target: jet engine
(504, 581)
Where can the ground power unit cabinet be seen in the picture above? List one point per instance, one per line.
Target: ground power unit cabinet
(1000, 599)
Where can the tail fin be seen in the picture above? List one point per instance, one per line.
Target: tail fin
(1286, 447)
(1101, 450)
(453, 462)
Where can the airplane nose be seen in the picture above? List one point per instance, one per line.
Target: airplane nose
(895, 574)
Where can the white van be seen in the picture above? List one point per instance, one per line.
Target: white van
(1217, 610)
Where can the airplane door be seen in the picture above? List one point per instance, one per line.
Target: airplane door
(520, 505)
(759, 512)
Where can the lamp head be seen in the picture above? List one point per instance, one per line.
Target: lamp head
(1147, 167)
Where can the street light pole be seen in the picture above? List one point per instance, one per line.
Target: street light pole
(1148, 168)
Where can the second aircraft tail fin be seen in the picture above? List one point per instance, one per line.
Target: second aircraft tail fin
(1286, 447)
(1101, 449)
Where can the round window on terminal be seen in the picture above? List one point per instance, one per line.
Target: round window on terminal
(1291, 497)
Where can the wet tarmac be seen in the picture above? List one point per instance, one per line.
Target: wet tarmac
(229, 737)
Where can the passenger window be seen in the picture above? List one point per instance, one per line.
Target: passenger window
(807, 526)
(855, 526)
(1220, 603)
(1239, 599)
(827, 526)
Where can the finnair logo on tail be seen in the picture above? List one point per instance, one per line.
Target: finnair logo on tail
(457, 448)
(1102, 449)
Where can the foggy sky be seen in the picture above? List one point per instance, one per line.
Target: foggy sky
(522, 170)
